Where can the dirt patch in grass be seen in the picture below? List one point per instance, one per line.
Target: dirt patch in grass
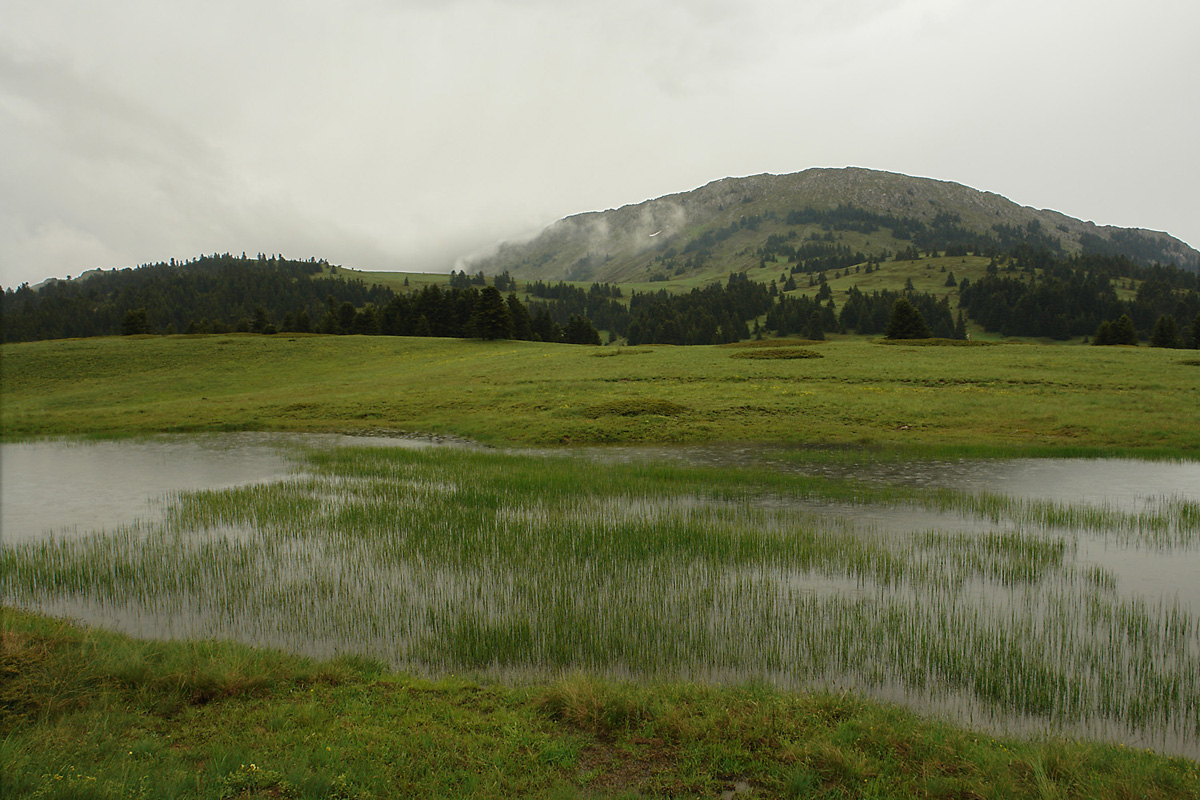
(637, 764)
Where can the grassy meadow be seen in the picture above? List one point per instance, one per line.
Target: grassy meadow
(1004, 399)
(459, 622)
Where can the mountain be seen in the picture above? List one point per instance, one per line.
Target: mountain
(724, 226)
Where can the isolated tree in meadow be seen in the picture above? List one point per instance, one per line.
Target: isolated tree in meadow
(1165, 332)
(906, 322)
(490, 318)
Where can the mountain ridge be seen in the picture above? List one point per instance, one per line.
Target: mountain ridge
(623, 243)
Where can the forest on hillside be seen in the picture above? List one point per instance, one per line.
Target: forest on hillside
(1027, 291)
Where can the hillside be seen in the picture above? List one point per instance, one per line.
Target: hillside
(724, 226)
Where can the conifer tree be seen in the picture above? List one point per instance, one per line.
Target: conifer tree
(816, 328)
(522, 322)
(906, 322)
(1123, 332)
(135, 322)
(490, 318)
(1165, 332)
(580, 330)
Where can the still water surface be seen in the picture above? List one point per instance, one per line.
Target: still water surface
(67, 490)
(67, 487)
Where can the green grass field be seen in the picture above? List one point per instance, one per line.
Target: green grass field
(488, 568)
(1011, 398)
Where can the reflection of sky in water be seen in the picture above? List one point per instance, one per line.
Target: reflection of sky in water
(1121, 483)
(1167, 574)
(74, 487)
(78, 487)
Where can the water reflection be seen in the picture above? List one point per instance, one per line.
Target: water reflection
(71, 487)
(1119, 483)
(420, 561)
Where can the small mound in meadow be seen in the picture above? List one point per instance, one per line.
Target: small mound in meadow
(773, 343)
(1191, 362)
(777, 352)
(937, 342)
(636, 407)
(621, 351)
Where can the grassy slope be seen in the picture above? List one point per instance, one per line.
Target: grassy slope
(85, 713)
(1020, 397)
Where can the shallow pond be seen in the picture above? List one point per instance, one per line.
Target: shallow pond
(67, 487)
(1071, 589)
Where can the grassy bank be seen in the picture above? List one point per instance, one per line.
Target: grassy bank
(84, 713)
(1018, 398)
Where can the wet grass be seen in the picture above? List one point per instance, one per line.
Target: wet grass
(526, 567)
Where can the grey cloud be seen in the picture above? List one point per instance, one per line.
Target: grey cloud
(403, 135)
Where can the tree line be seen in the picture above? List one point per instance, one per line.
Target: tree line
(1041, 293)
(1027, 292)
(210, 294)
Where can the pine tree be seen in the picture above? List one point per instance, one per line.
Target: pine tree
(906, 322)
(1165, 333)
(490, 318)
(1123, 332)
(522, 322)
(960, 327)
(135, 322)
(580, 330)
(816, 329)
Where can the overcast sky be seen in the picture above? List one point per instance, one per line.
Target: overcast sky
(401, 135)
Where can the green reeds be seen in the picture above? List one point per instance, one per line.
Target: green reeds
(445, 561)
